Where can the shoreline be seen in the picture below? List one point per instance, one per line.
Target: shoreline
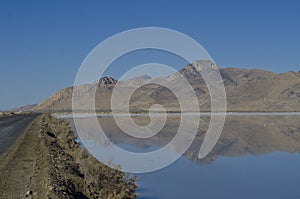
(159, 114)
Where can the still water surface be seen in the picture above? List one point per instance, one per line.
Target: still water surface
(257, 156)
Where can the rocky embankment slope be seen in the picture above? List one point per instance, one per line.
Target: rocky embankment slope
(48, 163)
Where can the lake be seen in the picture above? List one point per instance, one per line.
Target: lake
(257, 156)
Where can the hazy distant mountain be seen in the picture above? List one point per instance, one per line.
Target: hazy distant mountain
(23, 108)
(141, 78)
(246, 90)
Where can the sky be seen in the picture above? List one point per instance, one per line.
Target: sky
(43, 43)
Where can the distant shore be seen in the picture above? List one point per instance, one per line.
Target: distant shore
(168, 111)
(10, 113)
(158, 114)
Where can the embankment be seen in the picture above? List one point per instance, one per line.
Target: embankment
(48, 163)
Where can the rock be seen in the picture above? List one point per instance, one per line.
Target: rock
(51, 134)
(29, 193)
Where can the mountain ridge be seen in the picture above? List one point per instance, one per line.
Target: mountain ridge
(246, 90)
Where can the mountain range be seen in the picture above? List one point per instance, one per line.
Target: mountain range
(246, 90)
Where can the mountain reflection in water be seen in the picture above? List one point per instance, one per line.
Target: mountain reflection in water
(242, 135)
(255, 157)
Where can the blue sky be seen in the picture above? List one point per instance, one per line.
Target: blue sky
(42, 43)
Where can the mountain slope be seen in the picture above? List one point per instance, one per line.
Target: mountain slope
(246, 90)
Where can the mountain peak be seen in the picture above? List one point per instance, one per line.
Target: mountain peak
(204, 64)
(198, 67)
(246, 90)
(106, 81)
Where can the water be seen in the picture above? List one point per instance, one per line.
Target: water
(268, 176)
(257, 156)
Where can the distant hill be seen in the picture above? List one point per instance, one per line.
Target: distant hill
(246, 90)
(23, 108)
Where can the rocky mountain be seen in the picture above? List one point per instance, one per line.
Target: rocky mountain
(246, 90)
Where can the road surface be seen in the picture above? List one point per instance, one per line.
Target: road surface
(11, 128)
